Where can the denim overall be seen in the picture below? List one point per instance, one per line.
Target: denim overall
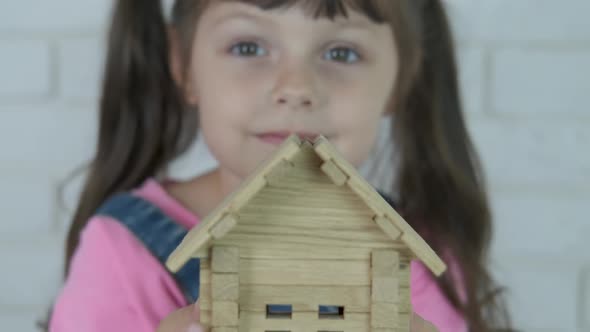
(161, 235)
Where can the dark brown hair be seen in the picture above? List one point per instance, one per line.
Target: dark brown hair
(144, 124)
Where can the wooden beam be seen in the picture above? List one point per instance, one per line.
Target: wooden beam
(388, 227)
(223, 226)
(334, 173)
(225, 259)
(224, 313)
(225, 287)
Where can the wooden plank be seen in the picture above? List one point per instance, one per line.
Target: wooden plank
(307, 199)
(193, 240)
(204, 274)
(303, 272)
(224, 329)
(308, 182)
(324, 149)
(263, 214)
(224, 313)
(281, 170)
(385, 263)
(205, 300)
(330, 192)
(291, 172)
(306, 157)
(256, 180)
(385, 289)
(256, 321)
(366, 234)
(224, 225)
(245, 194)
(403, 321)
(425, 253)
(278, 263)
(388, 227)
(199, 236)
(334, 173)
(384, 315)
(225, 287)
(355, 299)
(305, 298)
(405, 302)
(306, 238)
(205, 317)
(225, 259)
(368, 194)
(365, 193)
(274, 250)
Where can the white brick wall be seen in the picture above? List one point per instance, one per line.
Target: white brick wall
(525, 68)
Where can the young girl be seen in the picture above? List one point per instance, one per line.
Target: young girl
(247, 74)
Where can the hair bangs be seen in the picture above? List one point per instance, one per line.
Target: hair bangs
(378, 11)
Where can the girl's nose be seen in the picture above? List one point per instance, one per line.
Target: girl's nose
(294, 90)
(295, 101)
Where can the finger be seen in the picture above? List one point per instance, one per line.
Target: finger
(181, 320)
(418, 324)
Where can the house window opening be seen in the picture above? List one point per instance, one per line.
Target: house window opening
(279, 311)
(331, 312)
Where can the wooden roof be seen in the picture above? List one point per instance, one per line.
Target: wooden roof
(221, 220)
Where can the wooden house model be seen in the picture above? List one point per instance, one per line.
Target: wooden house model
(305, 244)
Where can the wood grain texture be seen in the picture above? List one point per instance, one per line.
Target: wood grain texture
(225, 259)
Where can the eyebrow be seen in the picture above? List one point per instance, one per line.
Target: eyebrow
(242, 15)
(238, 16)
(356, 24)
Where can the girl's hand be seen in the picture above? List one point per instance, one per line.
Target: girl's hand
(417, 324)
(187, 320)
(182, 320)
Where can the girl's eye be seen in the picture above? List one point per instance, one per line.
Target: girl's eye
(342, 54)
(247, 49)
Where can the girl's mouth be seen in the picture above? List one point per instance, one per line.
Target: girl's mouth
(276, 138)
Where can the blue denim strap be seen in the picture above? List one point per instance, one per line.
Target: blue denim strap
(159, 234)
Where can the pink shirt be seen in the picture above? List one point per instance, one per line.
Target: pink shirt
(115, 284)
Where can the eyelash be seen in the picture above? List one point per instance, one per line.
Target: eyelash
(247, 45)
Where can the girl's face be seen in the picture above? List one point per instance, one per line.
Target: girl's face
(258, 76)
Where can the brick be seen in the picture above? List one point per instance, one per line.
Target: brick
(59, 15)
(81, 66)
(533, 152)
(56, 140)
(31, 271)
(559, 222)
(26, 70)
(472, 78)
(522, 20)
(536, 81)
(24, 190)
(542, 293)
(585, 298)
